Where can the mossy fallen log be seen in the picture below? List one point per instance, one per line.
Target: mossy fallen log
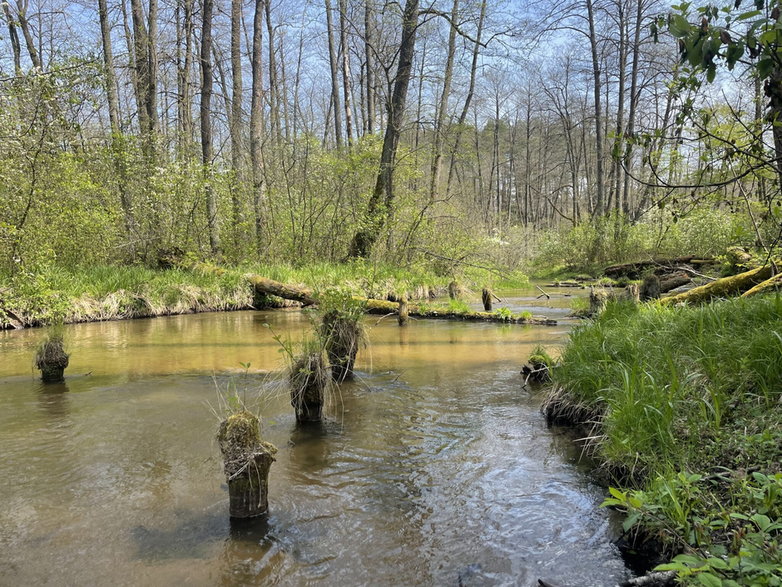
(771, 284)
(725, 287)
(384, 307)
(264, 285)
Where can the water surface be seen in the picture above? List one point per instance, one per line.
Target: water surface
(435, 467)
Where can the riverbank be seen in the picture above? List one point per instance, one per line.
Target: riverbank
(115, 293)
(682, 409)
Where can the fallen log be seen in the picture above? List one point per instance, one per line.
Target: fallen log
(386, 308)
(673, 280)
(264, 285)
(771, 284)
(725, 287)
(633, 270)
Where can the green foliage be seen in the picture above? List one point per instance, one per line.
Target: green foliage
(592, 245)
(458, 306)
(503, 313)
(730, 527)
(540, 357)
(687, 400)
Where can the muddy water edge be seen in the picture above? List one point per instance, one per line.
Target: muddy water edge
(433, 467)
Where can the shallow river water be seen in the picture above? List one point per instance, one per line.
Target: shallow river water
(434, 468)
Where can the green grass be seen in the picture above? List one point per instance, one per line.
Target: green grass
(113, 292)
(683, 402)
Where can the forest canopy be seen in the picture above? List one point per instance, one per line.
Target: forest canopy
(302, 131)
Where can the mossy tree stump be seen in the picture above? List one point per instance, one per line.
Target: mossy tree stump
(486, 299)
(650, 288)
(598, 300)
(309, 378)
(342, 334)
(51, 360)
(403, 315)
(246, 462)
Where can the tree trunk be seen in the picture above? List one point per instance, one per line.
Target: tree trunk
(256, 124)
(14, 36)
(369, 78)
(442, 108)
(468, 98)
(274, 94)
(382, 198)
(336, 107)
(207, 150)
(599, 201)
(151, 50)
(21, 15)
(343, 43)
(236, 112)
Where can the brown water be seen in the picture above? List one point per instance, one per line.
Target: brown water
(434, 468)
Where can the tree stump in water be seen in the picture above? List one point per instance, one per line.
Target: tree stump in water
(598, 300)
(51, 360)
(486, 299)
(342, 335)
(402, 318)
(309, 377)
(650, 288)
(246, 463)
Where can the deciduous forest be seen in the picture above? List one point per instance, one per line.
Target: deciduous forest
(298, 131)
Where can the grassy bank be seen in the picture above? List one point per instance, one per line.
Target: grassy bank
(684, 412)
(111, 293)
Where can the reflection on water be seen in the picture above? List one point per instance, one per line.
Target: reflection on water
(435, 467)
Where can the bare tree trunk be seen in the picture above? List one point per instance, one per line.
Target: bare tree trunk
(274, 97)
(442, 108)
(256, 124)
(633, 102)
(14, 36)
(343, 44)
(207, 150)
(141, 60)
(620, 108)
(236, 111)
(599, 201)
(334, 77)
(382, 199)
(369, 79)
(24, 24)
(185, 106)
(114, 120)
(468, 99)
(152, 70)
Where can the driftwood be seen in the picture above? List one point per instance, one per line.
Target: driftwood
(727, 286)
(633, 270)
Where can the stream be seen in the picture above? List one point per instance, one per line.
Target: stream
(435, 467)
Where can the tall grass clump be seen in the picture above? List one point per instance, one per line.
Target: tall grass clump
(683, 406)
(662, 381)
